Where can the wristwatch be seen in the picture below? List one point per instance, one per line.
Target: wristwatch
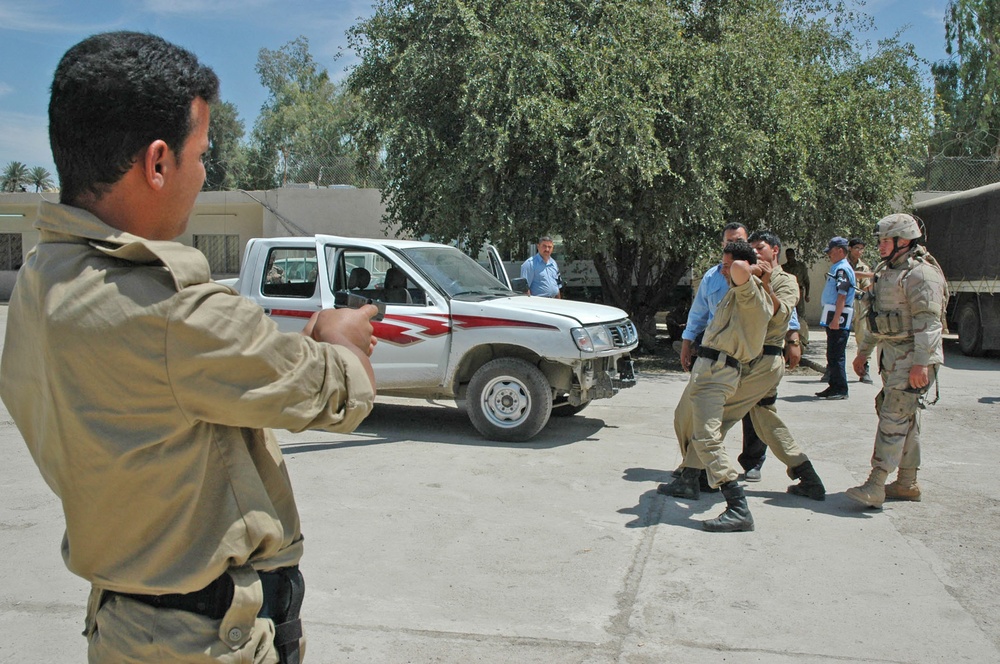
(793, 342)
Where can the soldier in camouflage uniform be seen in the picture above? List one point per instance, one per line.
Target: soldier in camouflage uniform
(905, 321)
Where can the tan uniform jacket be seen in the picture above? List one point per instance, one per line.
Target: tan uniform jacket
(801, 274)
(740, 321)
(786, 289)
(141, 389)
(864, 283)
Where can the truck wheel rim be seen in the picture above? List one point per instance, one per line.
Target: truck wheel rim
(506, 402)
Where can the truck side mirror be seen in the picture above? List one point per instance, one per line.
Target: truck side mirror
(519, 285)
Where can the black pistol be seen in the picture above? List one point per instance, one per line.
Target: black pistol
(352, 301)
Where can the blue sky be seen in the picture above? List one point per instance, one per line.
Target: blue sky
(227, 35)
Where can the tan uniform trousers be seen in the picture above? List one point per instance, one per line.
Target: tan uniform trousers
(897, 439)
(699, 414)
(760, 381)
(124, 631)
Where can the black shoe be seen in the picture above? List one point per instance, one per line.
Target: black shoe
(832, 394)
(737, 517)
(810, 485)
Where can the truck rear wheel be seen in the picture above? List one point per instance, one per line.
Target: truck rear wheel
(509, 399)
(970, 330)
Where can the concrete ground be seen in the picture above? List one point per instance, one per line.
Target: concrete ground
(426, 543)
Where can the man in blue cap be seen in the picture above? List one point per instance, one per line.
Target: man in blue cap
(837, 316)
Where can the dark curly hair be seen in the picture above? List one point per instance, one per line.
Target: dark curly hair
(112, 95)
(741, 250)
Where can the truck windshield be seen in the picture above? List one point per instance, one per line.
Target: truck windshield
(455, 273)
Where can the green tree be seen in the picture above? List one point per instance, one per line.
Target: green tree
(303, 131)
(16, 177)
(40, 178)
(636, 130)
(225, 163)
(967, 85)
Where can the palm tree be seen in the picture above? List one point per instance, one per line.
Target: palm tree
(15, 177)
(40, 178)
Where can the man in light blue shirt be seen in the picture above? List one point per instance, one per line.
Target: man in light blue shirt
(837, 315)
(541, 271)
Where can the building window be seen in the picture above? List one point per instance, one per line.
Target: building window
(11, 251)
(222, 252)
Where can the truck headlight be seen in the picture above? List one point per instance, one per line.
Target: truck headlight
(592, 339)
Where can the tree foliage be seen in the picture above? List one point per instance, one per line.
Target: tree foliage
(225, 163)
(635, 130)
(303, 131)
(968, 84)
(16, 177)
(40, 178)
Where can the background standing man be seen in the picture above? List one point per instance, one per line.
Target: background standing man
(863, 274)
(905, 319)
(141, 387)
(801, 273)
(541, 271)
(838, 303)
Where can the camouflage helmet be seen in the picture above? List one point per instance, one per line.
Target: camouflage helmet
(898, 225)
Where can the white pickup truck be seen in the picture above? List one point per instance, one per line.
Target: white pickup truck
(452, 327)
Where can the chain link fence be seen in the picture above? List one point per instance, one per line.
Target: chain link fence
(956, 173)
(934, 174)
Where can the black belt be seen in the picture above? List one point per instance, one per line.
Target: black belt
(283, 591)
(773, 350)
(713, 355)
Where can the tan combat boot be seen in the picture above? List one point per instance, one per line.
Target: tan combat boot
(872, 492)
(905, 487)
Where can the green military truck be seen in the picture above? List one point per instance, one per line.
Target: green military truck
(963, 234)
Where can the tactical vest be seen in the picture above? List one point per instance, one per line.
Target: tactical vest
(889, 315)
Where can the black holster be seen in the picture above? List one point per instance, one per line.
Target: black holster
(283, 594)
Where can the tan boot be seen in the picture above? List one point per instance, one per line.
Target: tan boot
(905, 487)
(872, 492)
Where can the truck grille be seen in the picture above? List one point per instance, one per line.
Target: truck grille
(623, 333)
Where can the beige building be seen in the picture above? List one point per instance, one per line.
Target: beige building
(221, 224)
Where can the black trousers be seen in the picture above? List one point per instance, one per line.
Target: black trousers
(754, 449)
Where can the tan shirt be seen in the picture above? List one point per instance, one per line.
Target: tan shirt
(740, 321)
(786, 289)
(141, 389)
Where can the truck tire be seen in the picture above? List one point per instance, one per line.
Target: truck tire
(509, 399)
(970, 330)
(562, 408)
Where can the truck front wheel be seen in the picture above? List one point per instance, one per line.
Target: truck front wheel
(970, 330)
(509, 399)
